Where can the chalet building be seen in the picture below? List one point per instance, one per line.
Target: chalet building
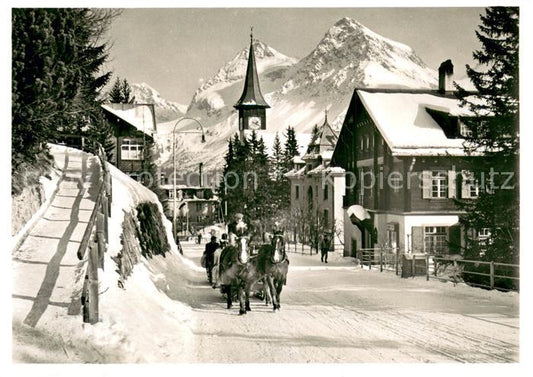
(317, 188)
(195, 206)
(403, 154)
(134, 127)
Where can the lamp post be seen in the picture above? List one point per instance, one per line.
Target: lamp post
(174, 166)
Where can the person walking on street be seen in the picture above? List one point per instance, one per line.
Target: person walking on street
(199, 236)
(324, 248)
(210, 249)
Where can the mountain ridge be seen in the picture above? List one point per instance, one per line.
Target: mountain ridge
(349, 55)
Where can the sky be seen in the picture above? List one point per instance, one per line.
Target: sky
(174, 49)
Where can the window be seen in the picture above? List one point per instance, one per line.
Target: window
(362, 144)
(470, 185)
(163, 179)
(474, 189)
(326, 192)
(483, 233)
(439, 186)
(367, 142)
(199, 207)
(297, 191)
(464, 130)
(435, 239)
(131, 149)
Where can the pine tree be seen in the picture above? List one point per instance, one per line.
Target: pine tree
(290, 149)
(126, 92)
(120, 92)
(495, 134)
(277, 159)
(115, 93)
(56, 75)
(314, 134)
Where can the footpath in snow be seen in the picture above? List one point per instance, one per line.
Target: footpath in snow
(48, 278)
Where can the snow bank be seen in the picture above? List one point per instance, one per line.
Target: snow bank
(134, 313)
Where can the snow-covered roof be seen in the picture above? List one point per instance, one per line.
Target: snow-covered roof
(295, 173)
(321, 169)
(407, 127)
(298, 160)
(140, 116)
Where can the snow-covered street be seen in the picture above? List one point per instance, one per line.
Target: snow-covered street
(341, 313)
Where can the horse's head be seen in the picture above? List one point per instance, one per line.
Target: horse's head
(278, 244)
(243, 249)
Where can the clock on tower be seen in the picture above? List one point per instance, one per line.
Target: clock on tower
(251, 104)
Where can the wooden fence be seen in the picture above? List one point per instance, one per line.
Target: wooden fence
(384, 258)
(95, 240)
(503, 276)
(494, 275)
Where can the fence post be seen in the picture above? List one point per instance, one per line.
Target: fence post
(413, 266)
(84, 296)
(100, 238)
(491, 275)
(370, 257)
(109, 192)
(427, 267)
(105, 210)
(92, 271)
(380, 259)
(397, 260)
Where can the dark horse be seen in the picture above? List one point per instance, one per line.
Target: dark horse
(238, 273)
(274, 265)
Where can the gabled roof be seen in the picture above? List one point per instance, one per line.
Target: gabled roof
(139, 116)
(251, 95)
(406, 125)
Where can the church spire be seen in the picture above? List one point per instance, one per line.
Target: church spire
(251, 95)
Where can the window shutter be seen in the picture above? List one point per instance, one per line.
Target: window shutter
(451, 184)
(454, 239)
(465, 186)
(417, 239)
(426, 184)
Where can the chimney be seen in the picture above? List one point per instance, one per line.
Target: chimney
(446, 77)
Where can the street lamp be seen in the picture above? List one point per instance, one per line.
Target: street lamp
(174, 166)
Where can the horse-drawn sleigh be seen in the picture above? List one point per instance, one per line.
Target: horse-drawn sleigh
(240, 270)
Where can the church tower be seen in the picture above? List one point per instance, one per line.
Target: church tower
(251, 105)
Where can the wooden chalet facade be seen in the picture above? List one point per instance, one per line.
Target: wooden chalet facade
(403, 154)
(133, 126)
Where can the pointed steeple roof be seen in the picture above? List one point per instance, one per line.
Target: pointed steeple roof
(325, 139)
(251, 95)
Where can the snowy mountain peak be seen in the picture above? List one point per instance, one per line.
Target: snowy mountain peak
(235, 69)
(348, 28)
(164, 110)
(269, 62)
(351, 55)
